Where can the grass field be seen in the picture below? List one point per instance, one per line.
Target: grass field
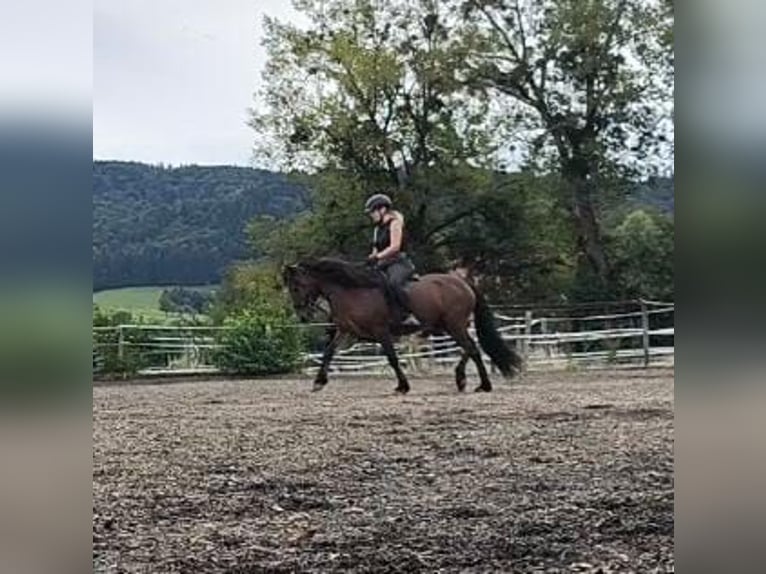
(143, 301)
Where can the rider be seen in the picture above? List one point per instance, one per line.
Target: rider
(388, 250)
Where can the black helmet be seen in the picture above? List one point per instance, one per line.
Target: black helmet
(376, 201)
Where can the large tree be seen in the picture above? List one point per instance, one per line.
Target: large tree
(590, 82)
(369, 97)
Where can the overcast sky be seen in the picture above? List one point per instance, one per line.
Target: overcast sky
(173, 78)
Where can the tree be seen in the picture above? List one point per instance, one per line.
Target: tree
(181, 300)
(369, 100)
(643, 247)
(518, 244)
(425, 99)
(247, 286)
(590, 80)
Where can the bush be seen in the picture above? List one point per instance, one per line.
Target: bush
(642, 252)
(181, 300)
(247, 285)
(262, 340)
(107, 359)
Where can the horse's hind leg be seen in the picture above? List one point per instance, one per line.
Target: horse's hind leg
(460, 372)
(471, 350)
(388, 348)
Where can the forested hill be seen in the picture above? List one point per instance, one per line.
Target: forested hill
(156, 225)
(657, 192)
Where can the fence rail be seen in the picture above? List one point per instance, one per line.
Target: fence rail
(547, 338)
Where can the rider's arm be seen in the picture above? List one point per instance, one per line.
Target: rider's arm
(374, 242)
(397, 225)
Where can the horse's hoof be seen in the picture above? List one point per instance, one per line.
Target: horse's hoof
(317, 387)
(483, 389)
(461, 385)
(402, 390)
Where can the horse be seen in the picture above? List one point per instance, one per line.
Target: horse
(359, 308)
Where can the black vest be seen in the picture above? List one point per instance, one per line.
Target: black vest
(381, 238)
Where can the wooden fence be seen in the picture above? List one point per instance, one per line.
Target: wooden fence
(635, 333)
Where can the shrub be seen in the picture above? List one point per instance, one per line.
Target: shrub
(107, 359)
(262, 340)
(642, 252)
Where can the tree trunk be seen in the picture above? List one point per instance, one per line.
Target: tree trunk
(578, 178)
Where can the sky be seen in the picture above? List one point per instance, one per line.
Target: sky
(173, 79)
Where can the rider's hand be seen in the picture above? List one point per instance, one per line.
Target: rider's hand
(372, 258)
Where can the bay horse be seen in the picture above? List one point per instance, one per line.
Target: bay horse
(359, 308)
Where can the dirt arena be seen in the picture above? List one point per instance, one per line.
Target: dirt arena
(559, 472)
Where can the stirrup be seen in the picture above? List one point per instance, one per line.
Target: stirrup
(410, 321)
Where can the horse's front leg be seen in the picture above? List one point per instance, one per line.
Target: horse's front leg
(321, 379)
(388, 348)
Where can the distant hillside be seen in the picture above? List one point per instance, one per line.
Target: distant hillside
(154, 225)
(658, 192)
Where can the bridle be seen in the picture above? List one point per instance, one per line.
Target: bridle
(312, 305)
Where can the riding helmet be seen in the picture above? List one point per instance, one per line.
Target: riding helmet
(376, 201)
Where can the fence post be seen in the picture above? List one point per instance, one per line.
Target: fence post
(120, 343)
(527, 334)
(645, 329)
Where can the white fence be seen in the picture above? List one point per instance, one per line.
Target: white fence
(608, 334)
(643, 336)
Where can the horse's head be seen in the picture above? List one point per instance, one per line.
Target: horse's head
(303, 288)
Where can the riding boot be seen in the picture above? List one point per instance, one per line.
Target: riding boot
(405, 316)
(397, 274)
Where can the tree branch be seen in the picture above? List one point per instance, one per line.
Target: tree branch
(449, 221)
(522, 35)
(499, 29)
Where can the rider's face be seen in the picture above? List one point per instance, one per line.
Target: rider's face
(376, 215)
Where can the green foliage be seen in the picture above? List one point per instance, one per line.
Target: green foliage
(180, 300)
(592, 82)
(109, 318)
(422, 100)
(371, 87)
(248, 286)
(260, 340)
(260, 336)
(164, 226)
(109, 358)
(388, 115)
(517, 242)
(643, 249)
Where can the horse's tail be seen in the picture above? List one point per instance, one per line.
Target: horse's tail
(504, 357)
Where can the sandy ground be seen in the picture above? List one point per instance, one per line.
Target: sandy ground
(559, 472)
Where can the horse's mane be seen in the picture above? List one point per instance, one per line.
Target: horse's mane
(343, 273)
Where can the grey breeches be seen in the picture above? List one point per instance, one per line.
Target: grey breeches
(397, 273)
